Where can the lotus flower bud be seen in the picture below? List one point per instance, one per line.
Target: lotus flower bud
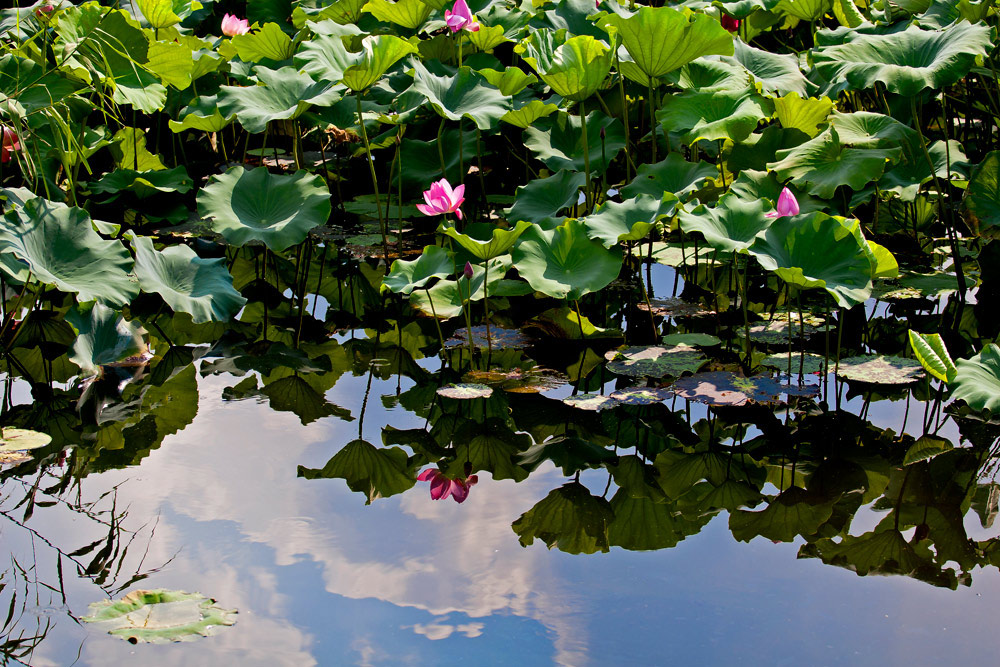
(467, 272)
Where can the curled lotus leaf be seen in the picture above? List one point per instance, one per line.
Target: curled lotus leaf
(720, 388)
(977, 380)
(465, 391)
(594, 402)
(655, 361)
(574, 68)
(641, 395)
(160, 616)
(878, 369)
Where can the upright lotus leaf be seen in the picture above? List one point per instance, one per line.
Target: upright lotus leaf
(864, 129)
(804, 10)
(804, 114)
(526, 112)
(378, 54)
(160, 616)
(410, 14)
(630, 220)
(574, 68)
(189, 284)
(704, 75)
(404, 277)
(255, 205)
(558, 141)
(982, 198)
(61, 248)
(143, 183)
(377, 472)
(511, 81)
(794, 512)
(789, 248)
(324, 57)
(563, 262)
(34, 86)
(726, 114)
(777, 73)
(878, 369)
(541, 200)
(487, 38)
(731, 226)
(847, 13)
(466, 95)
(673, 174)
(342, 12)
(906, 178)
(268, 43)
(752, 185)
(103, 337)
(884, 264)
(173, 62)
(570, 519)
(284, 93)
(823, 164)
(165, 13)
(906, 62)
(930, 351)
(201, 114)
(497, 242)
(977, 380)
(130, 152)
(661, 39)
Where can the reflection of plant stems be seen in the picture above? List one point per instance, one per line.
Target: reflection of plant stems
(371, 167)
(467, 310)
(579, 320)
(437, 322)
(743, 300)
(586, 154)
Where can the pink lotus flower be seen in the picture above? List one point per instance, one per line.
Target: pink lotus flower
(729, 23)
(44, 10)
(232, 25)
(441, 199)
(10, 143)
(467, 271)
(460, 17)
(442, 487)
(787, 205)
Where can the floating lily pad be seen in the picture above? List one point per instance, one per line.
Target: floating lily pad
(641, 395)
(655, 361)
(880, 370)
(160, 617)
(675, 307)
(519, 381)
(727, 388)
(779, 331)
(806, 362)
(16, 440)
(465, 391)
(593, 402)
(699, 339)
(499, 338)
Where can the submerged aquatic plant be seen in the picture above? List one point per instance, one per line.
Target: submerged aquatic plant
(232, 25)
(442, 199)
(442, 487)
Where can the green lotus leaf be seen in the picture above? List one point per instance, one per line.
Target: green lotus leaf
(570, 453)
(732, 226)
(103, 337)
(661, 39)
(843, 269)
(324, 58)
(798, 362)
(573, 16)
(931, 352)
(173, 62)
(863, 129)
(524, 115)
(144, 183)
(574, 68)
(713, 115)
(672, 175)
(448, 297)
(497, 243)
(130, 152)
(160, 616)
(558, 141)
(466, 95)
(793, 512)
(906, 62)
(563, 262)
(877, 369)
(569, 519)
(630, 220)
(655, 361)
(268, 43)
(753, 185)
(977, 380)
(404, 277)
(465, 391)
(882, 551)
(61, 248)
(284, 93)
(847, 13)
(378, 54)
(804, 114)
(487, 38)
(21, 440)
(884, 264)
(378, 472)
(33, 86)
(540, 200)
(255, 205)
(707, 75)
(642, 524)
(777, 73)
(823, 164)
(982, 198)
(511, 81)
(564, 322)
(202, 114)
(408, 13)
(165, 13)
(343, 12)
(804, 10)
(594, 402)
(189, 284)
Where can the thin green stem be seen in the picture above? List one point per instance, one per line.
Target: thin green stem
(586, 154)
(371, 168)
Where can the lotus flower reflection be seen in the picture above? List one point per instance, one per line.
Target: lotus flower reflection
(442, 487)
(787, 205)
(442, 199)
(460, 17)
(232, 25)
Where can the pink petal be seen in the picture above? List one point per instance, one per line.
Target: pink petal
(462, 9)
(458, 195)
(436, 191)
(455, 22)
(428, 198)
(440, 487)
(446, 190)
(472, 480)
(458, 213)
(426, 210)
(473, 27)
(428, 474)
(787, 204)
(459, 492)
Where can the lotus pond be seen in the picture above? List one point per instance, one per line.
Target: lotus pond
(419, 331)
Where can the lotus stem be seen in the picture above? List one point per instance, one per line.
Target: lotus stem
(479, 160)
(579, 320)
(651, 103)
(440, 143)
(625, 120)
(371, 168)
(586, 155)
(486, 307)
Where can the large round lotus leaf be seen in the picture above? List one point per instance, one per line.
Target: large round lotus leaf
(404, 277)
(906, 62)
(876, 369)
(982, 199)
(777, 73)
(407, 13)
(465, 391)
(977, 380)
(189, 284)
(558, 141)
(752, 185)
(378, 54)
(564, 263)
(863, 129)
(803, 114)
(732, 226)
(574, 68)
(824, 163)
(61, 248)
(466, 95)
(727, 388)
(593, 402)
(324, 57)
(103, 337)
(255, 205)
(790, 246)
(497, 242)
(799, 362)
(22, 439)
(284, 93)
(569, 519)
(655, 361)
(672, 175)
(804, 10)
(630, 220)
(160, 617)
(777, 332)
(705, 75)
(541, 199)
(714, 115)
